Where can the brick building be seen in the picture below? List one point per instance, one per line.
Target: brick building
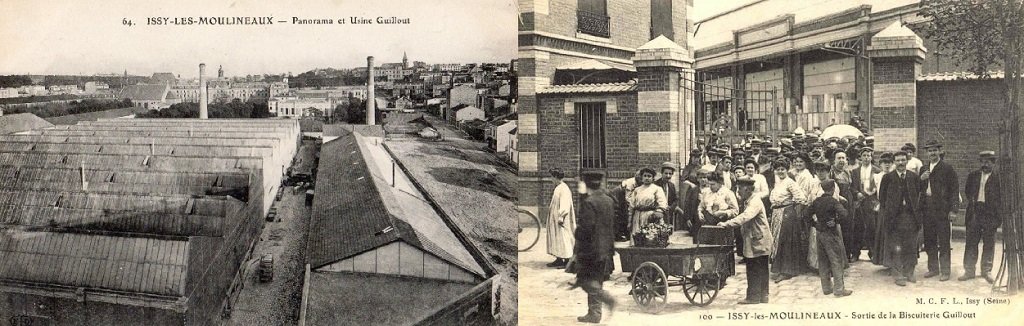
(812, 66)
(595, 93)
(594, 96)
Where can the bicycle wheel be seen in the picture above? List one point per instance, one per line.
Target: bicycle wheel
(529, 229)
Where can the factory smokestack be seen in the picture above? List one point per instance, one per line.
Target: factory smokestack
(203, 114)
(371, 112)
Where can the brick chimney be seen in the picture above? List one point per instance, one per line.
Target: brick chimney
(203, 114)
(371, 113)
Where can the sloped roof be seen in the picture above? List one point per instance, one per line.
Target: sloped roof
(594, 64)
(460, 108)
(590, 88)
(357, 209)
(97, 115)
(152, 266)
(12, 123)
(145, 92)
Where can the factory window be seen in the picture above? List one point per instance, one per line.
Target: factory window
(592, 138)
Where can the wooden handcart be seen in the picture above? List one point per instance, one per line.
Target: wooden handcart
(700, 269)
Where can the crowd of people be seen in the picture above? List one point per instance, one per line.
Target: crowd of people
(802, 204)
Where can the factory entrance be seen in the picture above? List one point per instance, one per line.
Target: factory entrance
(726, 113)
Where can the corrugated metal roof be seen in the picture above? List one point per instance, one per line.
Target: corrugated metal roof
(589, 88)
(949, 76)
(357, 205)
(137, 265)
(12, 123)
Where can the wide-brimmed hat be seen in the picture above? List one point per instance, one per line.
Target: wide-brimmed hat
(932, 144)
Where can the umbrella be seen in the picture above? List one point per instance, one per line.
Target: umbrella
(841, 131)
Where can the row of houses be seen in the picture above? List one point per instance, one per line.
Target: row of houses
(90, 88)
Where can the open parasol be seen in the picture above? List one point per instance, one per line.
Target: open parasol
(840, 131)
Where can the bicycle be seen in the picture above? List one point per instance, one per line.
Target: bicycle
(529, 230)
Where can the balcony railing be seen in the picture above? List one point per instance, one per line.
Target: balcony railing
(592, 23)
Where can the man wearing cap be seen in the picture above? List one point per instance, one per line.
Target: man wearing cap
(913, 164)
(668, 169)
(692, 166)
(561, 221)
(984, 197)
(941, 193)
(865, 202)
(757, 240)
(595, 245)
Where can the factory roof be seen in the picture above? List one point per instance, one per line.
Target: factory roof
(363, 202)
(19, 122)
(97, 115)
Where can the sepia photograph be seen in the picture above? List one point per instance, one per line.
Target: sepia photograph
(258, 162)
(781, 162)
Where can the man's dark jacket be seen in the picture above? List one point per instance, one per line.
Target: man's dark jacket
(993, 200)
(945, 185)
(891, 197)
(595, 236)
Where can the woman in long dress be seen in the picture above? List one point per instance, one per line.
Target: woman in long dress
(647, 202)
(561, 222)
(879, 253)
(788, 255)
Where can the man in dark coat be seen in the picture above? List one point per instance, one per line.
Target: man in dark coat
(940, 193)
(899, 194)
(865, 200)
(621, 213)
(665, 182)
(984, 197)
(595, 244)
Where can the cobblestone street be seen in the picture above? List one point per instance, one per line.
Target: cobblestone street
(550, 302)
(276, 302)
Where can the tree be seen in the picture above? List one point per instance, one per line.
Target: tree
(983, 35)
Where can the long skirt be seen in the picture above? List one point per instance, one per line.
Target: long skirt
(880, 253)
(812, 248)
(790, 253)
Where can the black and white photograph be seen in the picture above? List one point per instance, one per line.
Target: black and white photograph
(258, 162)
(774, 162)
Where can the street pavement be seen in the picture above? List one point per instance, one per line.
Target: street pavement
(546, 299)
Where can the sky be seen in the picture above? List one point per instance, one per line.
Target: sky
(86, 37)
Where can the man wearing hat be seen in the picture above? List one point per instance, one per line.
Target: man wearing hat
(940, 194)
(668, 169)
(595, 245)
(757, 240)
(984, 197)
(824, 213)
(561, 221)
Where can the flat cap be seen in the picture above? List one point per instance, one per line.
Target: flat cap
(987, 154)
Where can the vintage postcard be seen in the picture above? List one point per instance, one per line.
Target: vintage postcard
(770, 161)
(258, 162)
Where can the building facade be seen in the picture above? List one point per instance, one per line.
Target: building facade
(599, 89)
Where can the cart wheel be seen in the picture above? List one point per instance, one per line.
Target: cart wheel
(650, 287)
(701, 290)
